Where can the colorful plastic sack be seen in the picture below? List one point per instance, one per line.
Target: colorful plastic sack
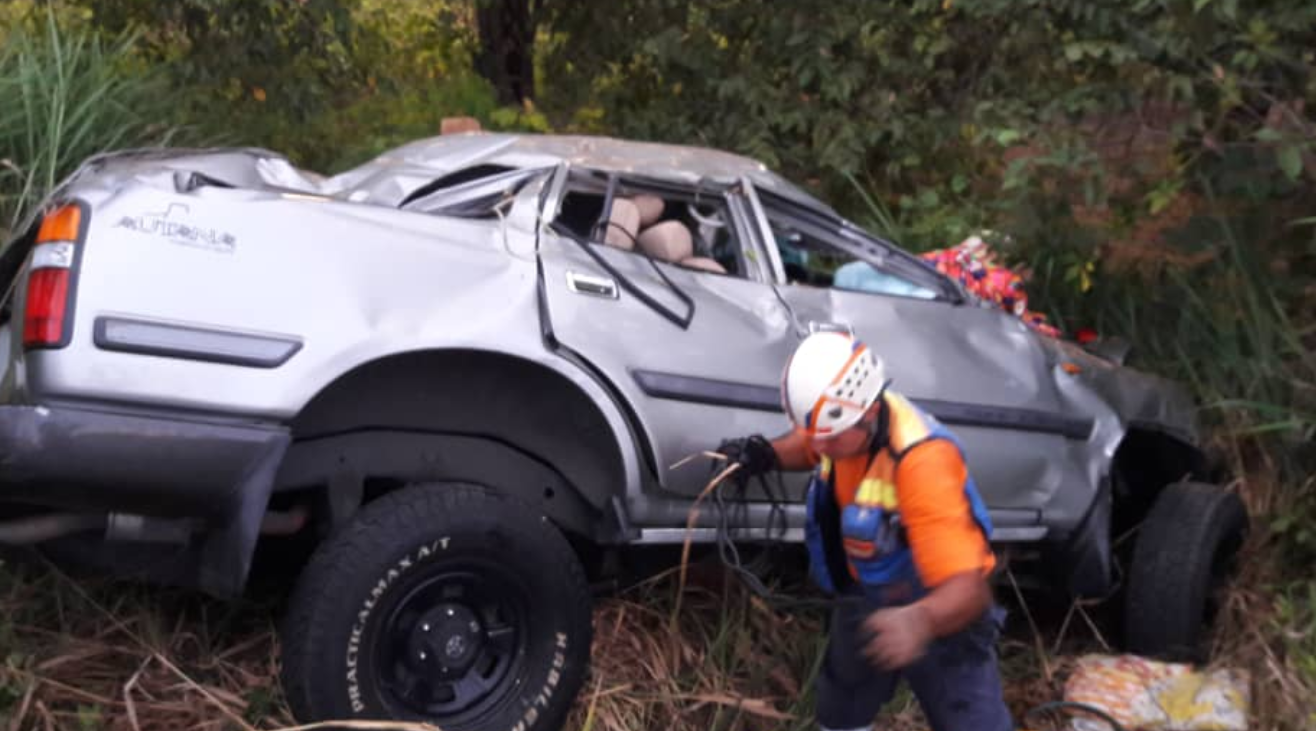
(974, 265)
(1155, 696)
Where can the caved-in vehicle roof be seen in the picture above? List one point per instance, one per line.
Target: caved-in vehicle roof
(393, 176)
(436, 156)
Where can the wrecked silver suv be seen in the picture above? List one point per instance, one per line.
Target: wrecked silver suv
(465, 366)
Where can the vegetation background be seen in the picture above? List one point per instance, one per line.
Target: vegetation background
(1151, 163)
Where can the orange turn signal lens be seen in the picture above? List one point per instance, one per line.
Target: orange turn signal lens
(61, 224)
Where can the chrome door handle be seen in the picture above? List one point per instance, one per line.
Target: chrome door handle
(589, 284)
(830, 327)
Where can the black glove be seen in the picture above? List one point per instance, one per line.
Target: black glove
(754, 454)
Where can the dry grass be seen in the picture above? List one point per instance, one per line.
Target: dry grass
(727, 662)
(96, 654)
(99, 655)
(87, 655)
(1268, 620)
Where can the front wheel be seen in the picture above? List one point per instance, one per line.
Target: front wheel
(1184, 554)
(443, 603)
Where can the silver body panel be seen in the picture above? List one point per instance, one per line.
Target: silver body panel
(271, 258)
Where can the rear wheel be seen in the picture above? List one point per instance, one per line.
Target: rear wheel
(443, 603)
(1185, 553)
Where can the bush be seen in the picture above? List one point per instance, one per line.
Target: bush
(328, 83)
(64, 96)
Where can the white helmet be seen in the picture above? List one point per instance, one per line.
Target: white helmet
(830, 382)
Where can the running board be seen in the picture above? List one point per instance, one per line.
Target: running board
(709, 535)
(657, 536)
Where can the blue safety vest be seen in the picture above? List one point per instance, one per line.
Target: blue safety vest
(871, 526)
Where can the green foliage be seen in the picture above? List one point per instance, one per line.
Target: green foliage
(64, 96)
(262, 702)
(1225, 325)
(413, 60)
(327, 82)
(1295, 615)
(418, 61)
(90, 717)
(920, 99)
(228, 58)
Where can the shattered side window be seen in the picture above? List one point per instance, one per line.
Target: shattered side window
(666, 223)
(474, 192)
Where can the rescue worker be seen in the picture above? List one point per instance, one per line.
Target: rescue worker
(896, 528)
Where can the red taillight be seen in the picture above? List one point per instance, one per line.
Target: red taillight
(48, 280)
(47, 302)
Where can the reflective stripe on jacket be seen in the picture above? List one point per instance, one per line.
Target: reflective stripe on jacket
(864, 541)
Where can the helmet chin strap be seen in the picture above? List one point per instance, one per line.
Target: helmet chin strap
(879, 432)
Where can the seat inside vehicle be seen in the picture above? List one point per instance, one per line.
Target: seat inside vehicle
(671, 241)
(666, 229)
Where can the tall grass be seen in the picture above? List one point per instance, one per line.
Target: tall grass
(1233, 323)
(64, 96)
(1227, 325)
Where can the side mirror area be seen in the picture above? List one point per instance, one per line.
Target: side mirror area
(1114, 349)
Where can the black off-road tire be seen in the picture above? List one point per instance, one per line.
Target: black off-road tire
(353, 634)
(1184, 554)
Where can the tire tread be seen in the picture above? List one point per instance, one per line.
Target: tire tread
(1171, 571)
(371, 537)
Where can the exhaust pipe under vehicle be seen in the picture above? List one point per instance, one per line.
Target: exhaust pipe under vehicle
(130, 527)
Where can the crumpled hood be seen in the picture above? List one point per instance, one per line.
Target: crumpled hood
(1137, 397)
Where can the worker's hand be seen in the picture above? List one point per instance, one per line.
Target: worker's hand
(754, 454)
(897, 636)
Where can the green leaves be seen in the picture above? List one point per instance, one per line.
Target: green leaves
(1268, 134)
(1098, 50)
(1007, 137)
(1289, 158)
(323, 81)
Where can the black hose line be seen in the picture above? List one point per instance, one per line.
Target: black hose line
(729, 552)
(1072, 706)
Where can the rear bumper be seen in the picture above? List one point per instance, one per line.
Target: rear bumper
(92, 461)
(87, 460)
